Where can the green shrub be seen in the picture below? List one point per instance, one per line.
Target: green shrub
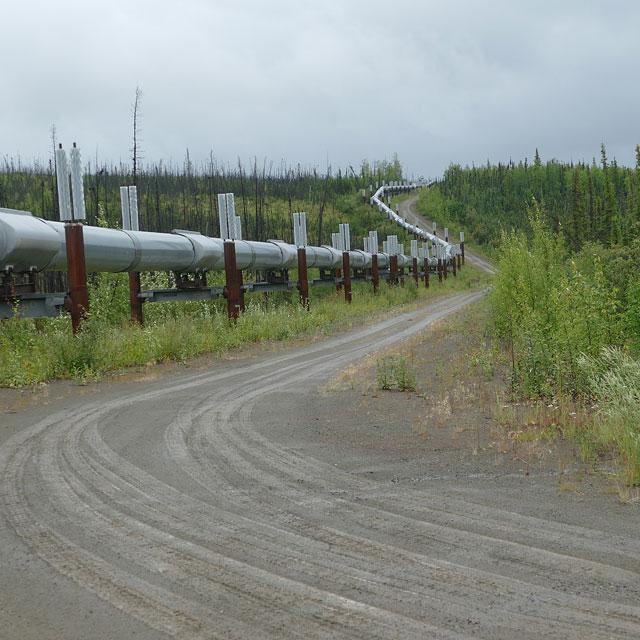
(393, 371)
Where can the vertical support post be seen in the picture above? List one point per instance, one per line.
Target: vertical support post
(77, 269)
(303, 278)
(445, 262)
(462, 245)
(346, 267)
(453, 265)
(233, 288)
(393, 270)
(415, 270)
(439, 267)
(459, 264)
(134, 297)
(375, 272)
(426, 272)
(240, 287)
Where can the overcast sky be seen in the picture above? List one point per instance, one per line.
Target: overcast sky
(311, 82)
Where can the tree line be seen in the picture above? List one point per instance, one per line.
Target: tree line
(586, 202)
(185, 196)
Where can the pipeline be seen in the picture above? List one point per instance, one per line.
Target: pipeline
(447, 251)
(29, 244)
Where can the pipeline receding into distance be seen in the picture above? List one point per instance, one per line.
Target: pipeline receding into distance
(28, 243)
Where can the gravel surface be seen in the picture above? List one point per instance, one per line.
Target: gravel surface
(236, 500)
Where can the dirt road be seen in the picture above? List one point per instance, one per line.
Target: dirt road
(409, 211)
(234, 502)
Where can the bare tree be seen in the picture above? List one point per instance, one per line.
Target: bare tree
(136, 131)
(324, 202)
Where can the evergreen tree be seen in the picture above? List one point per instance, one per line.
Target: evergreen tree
(592, 204)
(578, 220)
(609, 222)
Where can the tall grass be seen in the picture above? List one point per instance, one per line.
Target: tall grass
(33, 351)
(614, 381)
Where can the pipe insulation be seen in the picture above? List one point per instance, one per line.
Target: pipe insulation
(29, 243)
(378, 200)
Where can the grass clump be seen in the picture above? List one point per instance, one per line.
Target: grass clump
(393, 372)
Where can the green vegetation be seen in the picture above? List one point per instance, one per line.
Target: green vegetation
(185, 197)
(37, 350)
(569, 323)
(394, 372)
(565, 301)
(585, 203)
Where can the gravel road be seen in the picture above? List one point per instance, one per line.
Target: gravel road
(175, 508)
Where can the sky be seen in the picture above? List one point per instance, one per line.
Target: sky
(322, 83)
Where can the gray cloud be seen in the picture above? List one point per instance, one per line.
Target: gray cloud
(437, 82)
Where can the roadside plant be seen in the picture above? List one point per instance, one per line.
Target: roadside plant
(393, 372)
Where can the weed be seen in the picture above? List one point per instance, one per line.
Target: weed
(393, 371)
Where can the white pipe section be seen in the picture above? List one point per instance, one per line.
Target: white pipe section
(27, 243)
(378, 199)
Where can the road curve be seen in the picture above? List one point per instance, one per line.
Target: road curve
(409, 211)
(167, 511)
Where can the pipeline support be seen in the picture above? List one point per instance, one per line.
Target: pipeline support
(135, 302)
(233, 289)
(375, 273)
(346, 267)
(303, 278)
(76, 267)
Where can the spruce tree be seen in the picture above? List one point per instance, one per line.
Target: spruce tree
(609, 222)
(578, 220)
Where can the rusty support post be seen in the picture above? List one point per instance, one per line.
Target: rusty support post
(453, 264)
(375, 272)
(303, 278)
(459, 263)
(426, 273)
(135, 303)
(393, 270)
(77, 269)
(233, 288)
(462, 249)
(346, 267)
(338, 274)
(241, 287)
(415, 270)
(439, 269)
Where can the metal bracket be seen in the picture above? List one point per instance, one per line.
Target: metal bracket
(9, 288)
(276, 277)
(190, 281)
